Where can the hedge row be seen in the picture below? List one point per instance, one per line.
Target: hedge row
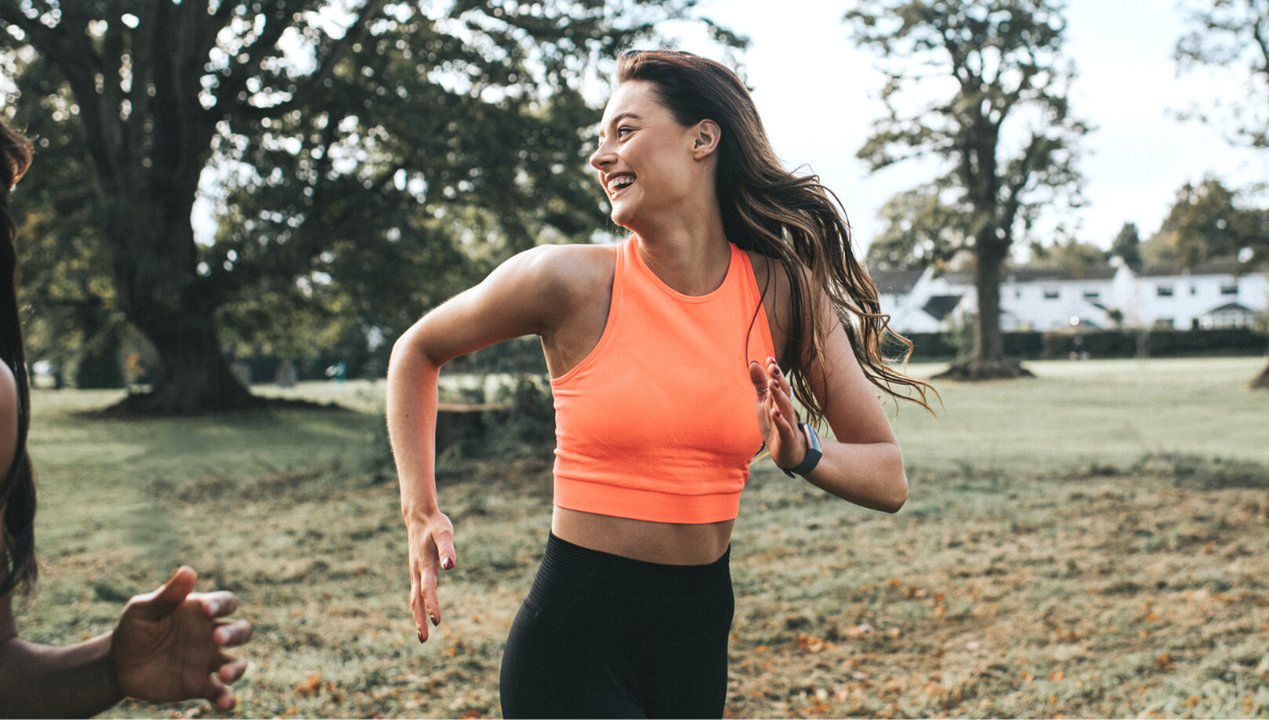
(1097, 343)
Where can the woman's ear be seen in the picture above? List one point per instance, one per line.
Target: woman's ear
(705, 137)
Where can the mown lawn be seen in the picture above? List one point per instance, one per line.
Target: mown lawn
(1088, 543)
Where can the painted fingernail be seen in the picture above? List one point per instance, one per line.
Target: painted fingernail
(448, 563)
(420, 636)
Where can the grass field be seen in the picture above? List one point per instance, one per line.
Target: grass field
(1091, 542)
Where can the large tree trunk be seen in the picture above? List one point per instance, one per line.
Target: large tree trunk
(155, 267)
(194, 376)
(988, 359)
(1262, 380)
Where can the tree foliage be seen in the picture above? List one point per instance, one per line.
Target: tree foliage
(362, 152)
(1127, 245)
(1209, 221)
(1226, 34)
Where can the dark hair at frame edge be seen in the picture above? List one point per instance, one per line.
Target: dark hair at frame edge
(782, 216)
(17, 488)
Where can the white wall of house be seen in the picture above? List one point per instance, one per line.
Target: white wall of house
(1179, 301)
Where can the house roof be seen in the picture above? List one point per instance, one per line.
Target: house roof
(894, 282)
(1209, 267)
(1030, 273)
(938, 306)
(1231, 307)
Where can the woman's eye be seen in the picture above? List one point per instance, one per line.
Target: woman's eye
(623, 128)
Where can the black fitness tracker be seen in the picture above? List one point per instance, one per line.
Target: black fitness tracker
(813, 452)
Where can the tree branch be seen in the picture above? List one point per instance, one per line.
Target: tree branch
(356, 30)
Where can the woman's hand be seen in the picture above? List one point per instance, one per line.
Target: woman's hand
(168, 644)
(776, 415)
(431, 541)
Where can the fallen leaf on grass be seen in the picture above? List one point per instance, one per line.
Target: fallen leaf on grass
(859, 630)
(310, 686)
(810, 643)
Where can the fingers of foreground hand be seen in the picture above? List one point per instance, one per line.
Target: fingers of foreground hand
(169, 596)
(218, 693)
(229, 633)
(231, 669)
(219, 603)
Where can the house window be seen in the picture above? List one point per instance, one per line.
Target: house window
(1092, 295)
(1194, 289)
(1163, 290)
(1163, 323)
(1229, 288)
(1017, 294)
(1050, 294)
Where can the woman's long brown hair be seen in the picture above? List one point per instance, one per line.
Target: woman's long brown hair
(781, 216)
(17, 483)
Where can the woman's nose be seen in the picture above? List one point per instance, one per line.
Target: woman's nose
(600, 158)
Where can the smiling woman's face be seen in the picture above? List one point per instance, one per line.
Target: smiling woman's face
(640, 140)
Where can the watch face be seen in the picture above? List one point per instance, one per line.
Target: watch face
(815, 437)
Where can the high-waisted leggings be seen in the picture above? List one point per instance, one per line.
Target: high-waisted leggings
(603, 635)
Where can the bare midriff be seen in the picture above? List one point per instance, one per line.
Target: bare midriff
(666, 543)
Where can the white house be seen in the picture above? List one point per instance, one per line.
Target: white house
(1209, 295)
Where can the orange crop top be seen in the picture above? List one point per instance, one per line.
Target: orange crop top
(659, 422)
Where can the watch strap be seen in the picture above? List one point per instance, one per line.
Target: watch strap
(813, 452)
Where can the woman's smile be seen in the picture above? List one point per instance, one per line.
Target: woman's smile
(618, 183)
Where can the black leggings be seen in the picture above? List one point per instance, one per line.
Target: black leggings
(603, 635)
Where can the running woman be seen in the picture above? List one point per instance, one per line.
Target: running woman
(667, 355)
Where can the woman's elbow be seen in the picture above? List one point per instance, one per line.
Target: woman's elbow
(901, 483)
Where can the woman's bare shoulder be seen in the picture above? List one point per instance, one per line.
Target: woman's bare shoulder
(585, 269)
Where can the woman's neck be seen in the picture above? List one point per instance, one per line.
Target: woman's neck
(690, 252)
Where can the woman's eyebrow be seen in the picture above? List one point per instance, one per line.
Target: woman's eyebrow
(617, 117)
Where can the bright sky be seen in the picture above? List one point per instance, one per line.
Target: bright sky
(818, 96)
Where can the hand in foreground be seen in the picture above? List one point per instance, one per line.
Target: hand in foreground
(167, 645)
(776, 415)
(431, 539)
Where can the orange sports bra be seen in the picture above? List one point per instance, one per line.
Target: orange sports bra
(659, 421)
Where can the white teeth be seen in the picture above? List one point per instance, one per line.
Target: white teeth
(619, 182)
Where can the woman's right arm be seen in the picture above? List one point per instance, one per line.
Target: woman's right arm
(525, 295)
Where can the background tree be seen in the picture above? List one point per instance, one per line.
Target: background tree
(1127, 245)
(1226, 34)
(922, 227)
(1207, 221)
(384, 120)
(1075, 257)
(1223, 35)
(999, 59)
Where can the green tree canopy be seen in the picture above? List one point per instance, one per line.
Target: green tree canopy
(351, 140)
